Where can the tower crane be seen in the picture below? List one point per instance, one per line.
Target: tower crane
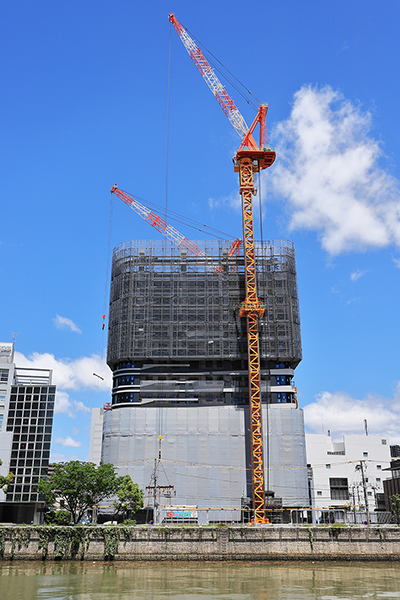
(250, 158)
(168, 230)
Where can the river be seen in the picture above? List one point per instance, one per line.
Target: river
(199, 581)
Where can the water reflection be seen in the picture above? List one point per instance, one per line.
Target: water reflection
(205, 581)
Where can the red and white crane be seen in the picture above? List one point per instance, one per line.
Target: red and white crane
(249, 159)
(168, 230)
(157, 222)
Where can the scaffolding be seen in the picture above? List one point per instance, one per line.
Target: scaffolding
(168, 305)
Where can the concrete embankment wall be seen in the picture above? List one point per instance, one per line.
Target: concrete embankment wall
(199, 543)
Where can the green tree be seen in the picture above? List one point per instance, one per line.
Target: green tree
(5, 480)
(395, 507)
(130, 497)
(80, 484)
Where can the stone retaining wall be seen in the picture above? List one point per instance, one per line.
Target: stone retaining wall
(199, 543)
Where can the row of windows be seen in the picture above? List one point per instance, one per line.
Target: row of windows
(37, 456)
(33, 390)
(28, 405)
(282, 397)
(25, 497)
(282, 379)
(18, 421)
(126, 380)
(35, 472)
(28, 413)
(31, 429)
(28, 462)
(24, 437)
(31, 445)
(126, 365)
(132, 397)
(26, 480)
(21, 488)
(30, 454)
(4, 375)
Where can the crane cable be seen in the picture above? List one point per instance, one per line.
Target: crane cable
(224, 72)
(179, 218)
(105, 301)
(168, 110)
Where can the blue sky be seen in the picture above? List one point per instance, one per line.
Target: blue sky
(84, 105)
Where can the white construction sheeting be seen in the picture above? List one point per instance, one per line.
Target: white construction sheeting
(205, 452)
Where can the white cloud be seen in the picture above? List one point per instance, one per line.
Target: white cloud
(65, 406)
(68, 441)
(396, 261)
(327, 168)
(357, 274)
(57, 457)
(78, 404)
(64, 323)
(343, 414)
(231, 202)
(70, 374)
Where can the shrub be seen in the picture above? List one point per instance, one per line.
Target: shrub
(62, 517)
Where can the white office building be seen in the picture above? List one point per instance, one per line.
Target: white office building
(342, 474)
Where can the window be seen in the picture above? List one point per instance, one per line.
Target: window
(384, 442)
(379, 467)
(1, 420)
(369, 493)
(3, 374)
(328, 466)
(365, 454)
(339, 488)
(378, 480)
(319, 493)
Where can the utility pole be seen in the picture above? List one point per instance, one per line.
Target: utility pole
(354, 504)
(360, 467)
(156, 489)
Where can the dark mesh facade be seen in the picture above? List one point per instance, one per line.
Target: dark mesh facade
(30, 419)
(175, 335)
(166, 304)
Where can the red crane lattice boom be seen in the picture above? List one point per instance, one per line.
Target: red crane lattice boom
(168, 230)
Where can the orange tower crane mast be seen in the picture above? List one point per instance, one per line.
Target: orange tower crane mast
(249, 159)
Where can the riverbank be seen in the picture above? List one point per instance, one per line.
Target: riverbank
(96, 543)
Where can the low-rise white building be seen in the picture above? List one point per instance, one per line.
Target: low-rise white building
(340, 472)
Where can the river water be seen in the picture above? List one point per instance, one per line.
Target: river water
(199, 581)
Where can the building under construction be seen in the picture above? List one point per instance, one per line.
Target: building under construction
(178, 351)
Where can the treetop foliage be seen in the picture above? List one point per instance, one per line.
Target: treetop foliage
(80, 484)
(130, 497)
(5, 480)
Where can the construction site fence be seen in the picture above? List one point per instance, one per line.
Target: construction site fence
(297, 516)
